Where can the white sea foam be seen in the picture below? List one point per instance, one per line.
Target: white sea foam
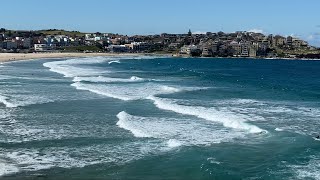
(143, 57)
(135, 78)
(100, 90)
(77, 157)
(243, 101)
(316, 139)
(308, 171)
(33, 160)
(278, 115)
(72, 71)
(172, 143)
(108, 79)
(3, 77)
(17, 131)
(227, 119)
(213, 161)
(134, 127)
(70, 67)
(176, 132)
(77, 61)
(301, 120)
(5, 100)
(6, 168)
(111, 62)
(95, 60)
(22, 100)
(127, 92)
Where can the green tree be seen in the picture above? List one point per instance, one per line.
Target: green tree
(9, 33)
(189, 33)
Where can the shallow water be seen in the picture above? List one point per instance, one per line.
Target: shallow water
(159, 118)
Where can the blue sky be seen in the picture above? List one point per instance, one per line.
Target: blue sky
(285, 17)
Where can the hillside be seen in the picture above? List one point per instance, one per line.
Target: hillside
(61, 32)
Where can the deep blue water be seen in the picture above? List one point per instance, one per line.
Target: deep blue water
(159, 118)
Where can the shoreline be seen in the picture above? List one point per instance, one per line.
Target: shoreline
(249, 58)
(11, 57)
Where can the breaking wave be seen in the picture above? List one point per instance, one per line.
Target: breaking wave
(126, 92)
(227, 119)
(23, 100)
(176, 132)
(5, 100)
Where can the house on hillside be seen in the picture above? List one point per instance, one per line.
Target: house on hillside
(9, 45)
(44, 47)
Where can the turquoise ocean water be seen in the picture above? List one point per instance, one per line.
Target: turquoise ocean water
(159, 118)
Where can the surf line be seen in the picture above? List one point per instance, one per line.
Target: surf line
(207, 114)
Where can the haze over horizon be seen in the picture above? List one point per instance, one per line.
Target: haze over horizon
(296, 18)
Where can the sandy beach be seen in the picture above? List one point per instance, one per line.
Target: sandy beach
(6, 57)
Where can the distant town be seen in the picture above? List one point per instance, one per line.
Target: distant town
(210, 44)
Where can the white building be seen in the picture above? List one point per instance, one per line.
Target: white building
(185, 49)
(244, 49)
(44, 47)
(188, 49)
(236, 48)
(96, 37)
(206, 51)
(89, 37)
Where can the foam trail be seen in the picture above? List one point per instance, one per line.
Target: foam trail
(126, 92)
(33, 160)
(111, 62)
(138, 57)
(6, 169)
(124, 123)
(72, 71)
(176, 132)
(4, 77)
(228, 120)
(68, 68)
(27, 78)
(308, 171)
(172, 143)
(89, 60)
(100, 91)
(108, 79)
(4, 100)
(279, 129)
(23, 100)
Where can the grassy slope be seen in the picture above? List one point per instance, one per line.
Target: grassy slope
(62, 32)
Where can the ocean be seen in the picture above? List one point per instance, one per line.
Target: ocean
(152, 117)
